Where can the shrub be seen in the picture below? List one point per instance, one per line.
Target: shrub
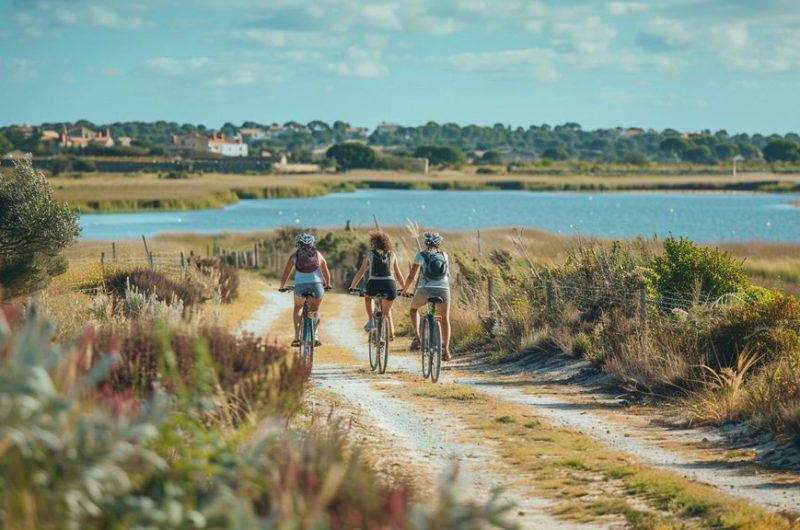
(441, 155)
(148, 281)
(223, 275)
(687, 273)
(34, 229)
(253, 373)
(352, 155)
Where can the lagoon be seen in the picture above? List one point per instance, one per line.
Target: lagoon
(704, 217)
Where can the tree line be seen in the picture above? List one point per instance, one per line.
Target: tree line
(481, 143)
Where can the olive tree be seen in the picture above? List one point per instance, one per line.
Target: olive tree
(34, 229)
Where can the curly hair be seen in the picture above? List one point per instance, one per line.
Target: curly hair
(380, 240)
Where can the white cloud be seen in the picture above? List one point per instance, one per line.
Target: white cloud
(509, 64)
(359, 62)
(225, 71)
(24, 70)
(381, 17)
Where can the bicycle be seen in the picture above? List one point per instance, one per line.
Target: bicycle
(378, 335)
(308, 330)
(430, 341)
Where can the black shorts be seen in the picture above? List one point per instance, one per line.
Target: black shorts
(386, 288)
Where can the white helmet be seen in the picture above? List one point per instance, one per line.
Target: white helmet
(432, 239)
(305, 239)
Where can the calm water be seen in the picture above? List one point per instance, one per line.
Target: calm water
(702, 217)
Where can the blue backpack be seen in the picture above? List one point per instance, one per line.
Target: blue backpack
(435, 266)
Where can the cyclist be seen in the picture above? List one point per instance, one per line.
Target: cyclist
(432, 264)
(383, 279)
(312, 277)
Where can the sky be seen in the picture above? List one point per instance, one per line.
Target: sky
(682, 64)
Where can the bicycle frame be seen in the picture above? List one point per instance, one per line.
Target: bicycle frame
(378, 335)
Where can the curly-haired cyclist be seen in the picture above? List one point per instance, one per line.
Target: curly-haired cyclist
(384, 276)
(311, 277)
(432, 264)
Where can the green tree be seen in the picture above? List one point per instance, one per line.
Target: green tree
(491, 158)
(749, 151)
(725, 151)
(676, 145)
(440, 155)
(556, 153)
(781, 151)
(5, 145)
(34, 229)
(636, 158)
(700, 154)
(352, 155)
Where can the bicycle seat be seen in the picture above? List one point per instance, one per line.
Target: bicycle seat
(435, 300)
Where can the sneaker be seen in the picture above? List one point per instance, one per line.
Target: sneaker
(446, 355)
(317, 342)
(415, 344)
(296, 343)
(369, 326)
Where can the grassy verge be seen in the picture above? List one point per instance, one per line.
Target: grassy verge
(586, 481)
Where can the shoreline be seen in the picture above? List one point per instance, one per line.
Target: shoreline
(96, 195)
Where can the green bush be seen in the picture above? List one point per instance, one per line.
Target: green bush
(34, 229)
(687, 273)
(352, 155)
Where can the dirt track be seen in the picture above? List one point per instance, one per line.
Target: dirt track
(411, 431)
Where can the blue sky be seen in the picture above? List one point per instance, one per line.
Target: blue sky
(685, 64)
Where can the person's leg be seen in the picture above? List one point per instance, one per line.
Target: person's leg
(386, 310)
(297, 316)
(368, 305)
(443, 310)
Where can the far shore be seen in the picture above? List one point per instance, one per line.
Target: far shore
(102, 193)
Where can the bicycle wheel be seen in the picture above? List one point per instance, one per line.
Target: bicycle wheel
(373, 346)
(383, 341)
(436, 352)
(424, 340)
(307, 344)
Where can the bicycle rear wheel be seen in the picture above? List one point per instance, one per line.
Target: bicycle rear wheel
(373, 347)
(383, 341)
(436, 352)
(424, 340)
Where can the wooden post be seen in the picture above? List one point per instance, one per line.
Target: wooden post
(480, 255)
(256, 260)
(152, 261)
(377, 224)
(208, 250)
(147, 251)
(347, 227)
(236, 259)
(643, 310)
(183, 260)
(113, 252)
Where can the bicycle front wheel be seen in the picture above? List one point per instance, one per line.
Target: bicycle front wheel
(436, 352)
(424, 342)
(307, 344)
(383, 342)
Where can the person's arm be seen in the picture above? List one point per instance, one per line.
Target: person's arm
(286, 272)
(360, 274)
(399, 275)
(410, 278)
(326, 274)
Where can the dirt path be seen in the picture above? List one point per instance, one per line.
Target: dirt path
(406, 425)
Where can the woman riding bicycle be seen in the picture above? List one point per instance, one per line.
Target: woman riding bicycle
(312, 278)
(434, 281)
(383, 279)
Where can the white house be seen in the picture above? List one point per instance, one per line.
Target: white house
(214, 143)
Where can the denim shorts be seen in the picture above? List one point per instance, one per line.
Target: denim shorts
(317, 290)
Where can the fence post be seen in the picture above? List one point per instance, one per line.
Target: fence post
(183, 260)
(643, 310)
(113, 252)
(255, 256)
(152, 261)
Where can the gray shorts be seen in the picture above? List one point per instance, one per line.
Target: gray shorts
(423, 293)
(317, 290)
